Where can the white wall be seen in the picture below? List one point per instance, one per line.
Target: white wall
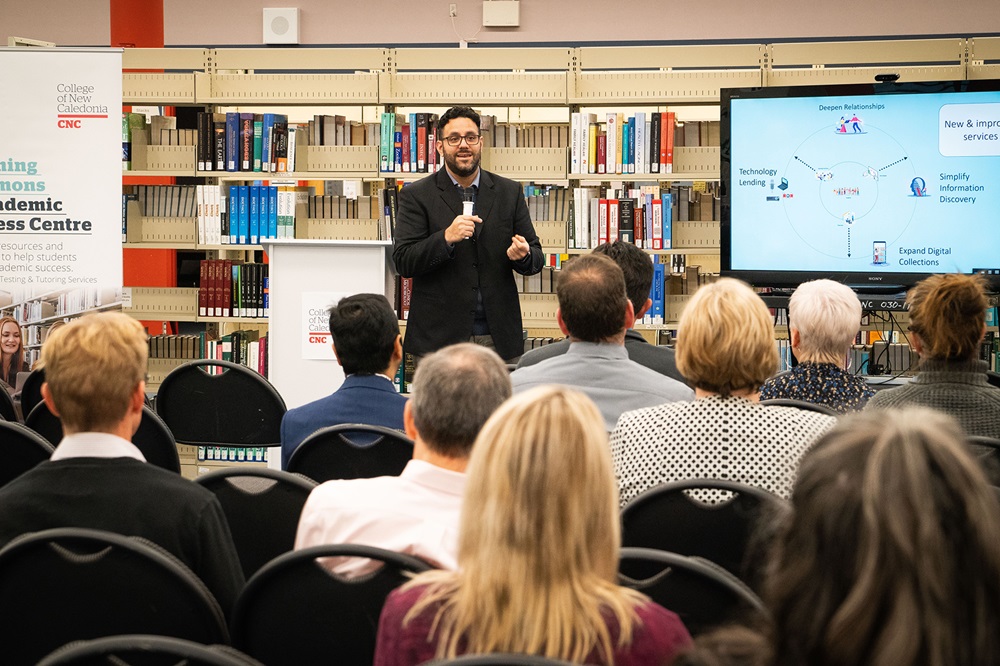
(393, 22)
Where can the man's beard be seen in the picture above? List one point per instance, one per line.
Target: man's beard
(452, 161)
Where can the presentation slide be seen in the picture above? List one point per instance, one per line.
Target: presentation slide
(900, 183)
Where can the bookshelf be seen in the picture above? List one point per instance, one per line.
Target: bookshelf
(571, 78)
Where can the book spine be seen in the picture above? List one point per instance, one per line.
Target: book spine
(258, 143)
(244, 214)
(232, 141)
(232, 214)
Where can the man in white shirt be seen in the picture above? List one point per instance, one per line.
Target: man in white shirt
(454, 391)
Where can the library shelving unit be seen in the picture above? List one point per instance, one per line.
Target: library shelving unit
(657, 77)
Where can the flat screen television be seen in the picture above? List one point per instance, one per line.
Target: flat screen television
(875, 185)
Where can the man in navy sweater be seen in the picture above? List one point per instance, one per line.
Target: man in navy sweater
(368, 346)
(96, 478)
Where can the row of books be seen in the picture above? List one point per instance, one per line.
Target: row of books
(227, 288)
(335, 130)
(548, 202)
(245, 347)
(247, 142)
(166, 200)
(407, 143)
(333, 206)
(536, 135)
(643, 143)
(641, 215)
(248, 215)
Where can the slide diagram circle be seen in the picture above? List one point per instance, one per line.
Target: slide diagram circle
(847, 190)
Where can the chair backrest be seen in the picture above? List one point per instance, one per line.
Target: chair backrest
(262, 507)
(668, 518)
(801, 404)
(133, 650)
(7, 410)
(294, 611)
(153, 437)
(237, 407)
(498, 659)
(352, 451)
(67, 584)
(31, 392)
(703, 595)
(21, 448)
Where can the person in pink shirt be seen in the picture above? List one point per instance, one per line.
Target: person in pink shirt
(538, 553)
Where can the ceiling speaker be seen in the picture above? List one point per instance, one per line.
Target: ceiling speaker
(281, 25)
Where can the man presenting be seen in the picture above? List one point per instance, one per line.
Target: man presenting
(463, 289)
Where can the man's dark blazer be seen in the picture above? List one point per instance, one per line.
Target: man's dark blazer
(659, 359)
(367, 399)
(446, 280)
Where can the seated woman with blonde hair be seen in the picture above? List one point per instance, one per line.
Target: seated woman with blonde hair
(891, 553)
(11, 351)
(725, 348)
(947, 325)
(538, 553)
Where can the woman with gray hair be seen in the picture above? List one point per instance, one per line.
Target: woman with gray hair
(823, 319)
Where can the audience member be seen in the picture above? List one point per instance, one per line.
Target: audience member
(98, 479)
(454, 391)
(947, 324)
(725, 347)
(638, 272)
(11, 351)
(727, 646)
(891, 554)
(823, 320)
(594, 310)
(368, 346)
(538, 553)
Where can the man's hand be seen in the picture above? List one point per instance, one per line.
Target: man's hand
(518, 248)
(461, 228)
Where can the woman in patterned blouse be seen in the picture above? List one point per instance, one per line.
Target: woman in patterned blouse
(823, 319)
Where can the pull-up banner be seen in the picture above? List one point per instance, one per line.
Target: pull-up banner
(60, 173)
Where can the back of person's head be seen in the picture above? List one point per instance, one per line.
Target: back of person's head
(891, 554)
(456, 112)
(827, 315)
(637, 268)
(455, 390)
(592, 298)
(539, 536)
(364, 329)
(725, 339)
(948, 312)
(93, 366)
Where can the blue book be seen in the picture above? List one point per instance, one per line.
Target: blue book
(631, 144)
(647, 227)
(268, 121)
(244, 219)
(397, 151)
(254, 230)
(625, 144)
(272, 211)
(233, 214)
(656, 292)
(232, 141)
(668, 218)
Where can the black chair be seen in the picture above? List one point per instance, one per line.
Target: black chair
(294, 611)
(153, 437)
(800, 404)
(31, 390)
(728, 533)
(262, 507)
(133, 650)
(351, 451)
(504, 659)
(702, 594)
(8, 412)
(68, 584)
(237, 407)
(21, 448)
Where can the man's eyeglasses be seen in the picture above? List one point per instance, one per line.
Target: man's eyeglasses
(470, 139)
